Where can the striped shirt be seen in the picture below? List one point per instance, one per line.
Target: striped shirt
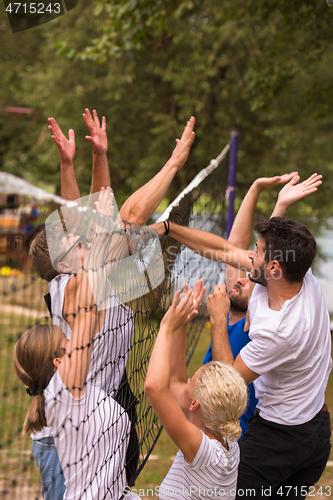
(212, 473)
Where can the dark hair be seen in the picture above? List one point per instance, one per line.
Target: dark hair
(40, 257)
(30, 236)
(39, 254)
(290, 243)
(34, 353)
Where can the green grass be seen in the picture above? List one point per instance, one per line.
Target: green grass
(13, 403)
(13, 325)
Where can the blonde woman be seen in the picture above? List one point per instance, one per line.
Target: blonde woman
(201, 414)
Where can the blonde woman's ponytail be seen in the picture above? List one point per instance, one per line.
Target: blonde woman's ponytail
(222, 395)
(231, 430)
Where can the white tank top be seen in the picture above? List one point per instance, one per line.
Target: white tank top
(111, 345)
(91, 436)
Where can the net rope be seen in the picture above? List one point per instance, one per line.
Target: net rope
(116, 404)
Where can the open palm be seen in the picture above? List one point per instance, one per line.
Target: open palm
(292, 191)
(65, 146)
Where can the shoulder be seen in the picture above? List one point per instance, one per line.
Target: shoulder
(212, 453)
(53, 395)
(55, 388)
(239, 325)
(58, 282)
(258, 298)
(70, 284)
(310, 281)
(259, 293)
(310, 287)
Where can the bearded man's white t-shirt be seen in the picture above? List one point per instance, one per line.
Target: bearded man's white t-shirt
(291, 351)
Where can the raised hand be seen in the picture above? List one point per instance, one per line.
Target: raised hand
(268, 182)
(198, 294)
(292, 191)
(183, 147)
(104, 206)
(218, 304)
(66, 147)
(97, 138)
(177, 314)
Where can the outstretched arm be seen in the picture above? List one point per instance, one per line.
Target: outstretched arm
(66, 147)
(241, 231)
(218, 305)
(208, 245)
(143, 203)
(99, 142)
(288, 195)
(109, 243)
(178, 375)
(185, 434)
(293, 192)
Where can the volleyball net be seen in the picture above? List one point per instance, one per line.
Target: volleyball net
(142, 285)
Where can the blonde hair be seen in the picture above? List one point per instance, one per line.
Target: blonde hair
(34, 353)
(222, 395)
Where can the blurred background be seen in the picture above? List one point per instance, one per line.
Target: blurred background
(263, 67)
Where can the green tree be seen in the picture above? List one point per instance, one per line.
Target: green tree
(262, 67)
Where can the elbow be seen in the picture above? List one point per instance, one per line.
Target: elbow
(128, 212)
(149, 388)
(152, 390)
(239, 242)
(133, 218)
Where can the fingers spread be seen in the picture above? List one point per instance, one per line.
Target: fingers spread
(96, 119)
(175, 299)
(88, 119)
(294, 180)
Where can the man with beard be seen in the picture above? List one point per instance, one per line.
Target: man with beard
(287, 445)
(238, 338)
(238, 284)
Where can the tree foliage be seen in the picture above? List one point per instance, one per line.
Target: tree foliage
(261, 66)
